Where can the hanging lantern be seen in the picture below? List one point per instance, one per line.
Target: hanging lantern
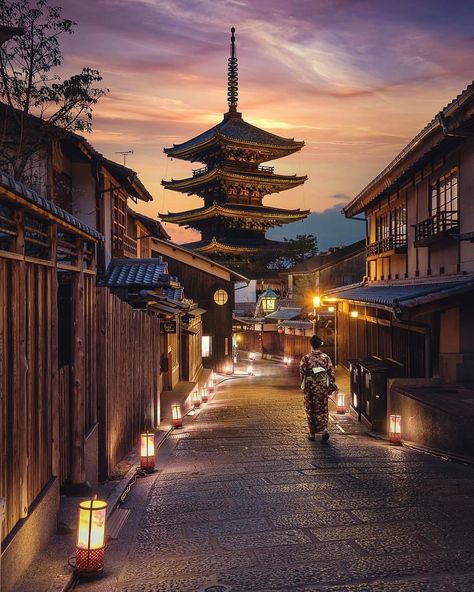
(90, 542)
(204, 397)
(395, 429)
(196, 400)
(280, 329)
(147, 451)
(341, 403)
(176, 417)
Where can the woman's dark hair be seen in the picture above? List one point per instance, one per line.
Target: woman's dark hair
(316, 342)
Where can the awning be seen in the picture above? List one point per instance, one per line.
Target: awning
(398, 296)
(197, 312)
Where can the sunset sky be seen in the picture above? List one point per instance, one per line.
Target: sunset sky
(354, 79)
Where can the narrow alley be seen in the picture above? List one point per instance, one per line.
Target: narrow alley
(243, 502)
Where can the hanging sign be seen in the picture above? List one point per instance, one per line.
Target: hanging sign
(168, 327)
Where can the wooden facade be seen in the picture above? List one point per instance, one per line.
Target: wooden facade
(45, 411)
(128, 376)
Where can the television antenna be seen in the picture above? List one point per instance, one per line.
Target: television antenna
(125, 153)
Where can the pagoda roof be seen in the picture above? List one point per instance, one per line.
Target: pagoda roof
(234, 130)
(193, 184)
(229, 210)
(233, 246)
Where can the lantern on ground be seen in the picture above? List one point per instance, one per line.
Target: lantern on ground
(196, 400)
(211, 385)
(252, 356)
(249, 370)
(147, 451)
(395, 429)
(340, 403)
(228, 369)
(176, 416)
(90, 542)
(204, 397)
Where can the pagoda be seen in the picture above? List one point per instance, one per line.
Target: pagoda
(233, 183)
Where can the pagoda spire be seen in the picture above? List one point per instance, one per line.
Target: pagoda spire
(232, 76)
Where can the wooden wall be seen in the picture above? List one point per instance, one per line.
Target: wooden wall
(217, 322)
(128, 368)
(27, 372)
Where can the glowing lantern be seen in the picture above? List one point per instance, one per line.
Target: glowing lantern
(196, 400)
(341, 403)
(252, 356)
(331, 309)
(228, 369)
(235, 359)
(280, 329)
(285, 361)
(176, 417)
(395, 429)
(316, 301)
(354, 400)
(211, 385)
(90, 542)
(268, 301)
(249, 370)
(147, 451)
(354, 314)
(204, 397)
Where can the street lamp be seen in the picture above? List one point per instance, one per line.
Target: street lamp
(316, 306)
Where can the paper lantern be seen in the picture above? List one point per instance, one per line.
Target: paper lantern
(204, 397)
(249, 370)
(147, 451)
(176, 416)
(252, 356)
(196, 400)
(90, 542)
(341, 403)
(395, 429)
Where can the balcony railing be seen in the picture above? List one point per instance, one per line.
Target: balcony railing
(265, 169)
(436, 226)
(395, 242)
(129, 247)
(201, 171)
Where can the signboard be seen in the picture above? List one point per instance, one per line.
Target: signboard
(168, 327)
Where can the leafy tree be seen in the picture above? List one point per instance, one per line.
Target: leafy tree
(37, 102)
(296, 250)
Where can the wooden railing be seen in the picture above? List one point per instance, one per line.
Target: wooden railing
(435, 225)
(129, 246)
(395, 242)
(201, 171)
(266, 169)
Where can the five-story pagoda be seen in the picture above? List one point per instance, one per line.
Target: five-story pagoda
(233, 183)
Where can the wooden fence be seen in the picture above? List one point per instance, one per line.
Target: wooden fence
(27, 372)
(128, 366)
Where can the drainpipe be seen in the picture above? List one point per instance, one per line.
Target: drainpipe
(2, 516)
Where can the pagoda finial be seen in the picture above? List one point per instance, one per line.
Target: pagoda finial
(232, 76)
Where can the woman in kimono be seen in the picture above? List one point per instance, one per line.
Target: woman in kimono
(317, 382)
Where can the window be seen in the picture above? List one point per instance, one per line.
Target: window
(206, 346)
(221, 297)
(119, 222)
(444, 196)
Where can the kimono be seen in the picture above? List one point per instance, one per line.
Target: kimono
(316, 395)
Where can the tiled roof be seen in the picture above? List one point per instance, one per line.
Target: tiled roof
(144, 273)
(298, 324)
(28, 194)
(284, 313)
(324, 260)
(235, 128)
(234, 210)
(174, 293)
(402, 295)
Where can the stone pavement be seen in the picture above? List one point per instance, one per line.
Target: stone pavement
(244, 502)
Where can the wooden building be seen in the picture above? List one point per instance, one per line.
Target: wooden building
(415, 305)
(48, 402)
(233, 183)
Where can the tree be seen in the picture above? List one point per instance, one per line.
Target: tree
(296, 250)
(37, 102)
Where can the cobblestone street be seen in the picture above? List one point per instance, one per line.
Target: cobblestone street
(244, 502)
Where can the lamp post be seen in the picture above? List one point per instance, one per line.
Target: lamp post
(316, 306)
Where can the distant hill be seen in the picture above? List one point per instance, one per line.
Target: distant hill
(330, 226)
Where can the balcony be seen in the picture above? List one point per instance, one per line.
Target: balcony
(436, 227)
(396, 243)
(201, 171)
(266, 169)
(129, 247)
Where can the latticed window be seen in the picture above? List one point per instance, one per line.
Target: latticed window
(444, 195)
(119, 223)
(36, 238)
(7, 228)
